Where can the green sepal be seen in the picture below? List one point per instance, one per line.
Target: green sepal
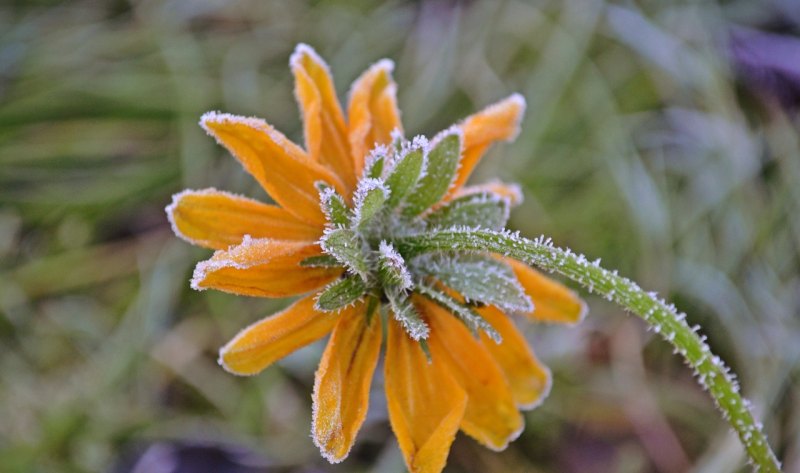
(466, 314)
(478, 278)
(404, 176)
(392, 270)
(333, 205)
(348, 248)
(440, 170)
(426, 349)
(369, 199)
(405, 313)
(376, 161)
(320, 261)
(481, 210)
(341, 293)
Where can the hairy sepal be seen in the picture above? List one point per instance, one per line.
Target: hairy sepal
(320, 261)
(478, 278)
(405, 174)
(347, 246)
(369, 199)
(463, 312)
(341, 293)
(440, 171)
(405, 313)
(482, 209)
(333, 205)
(392, 269)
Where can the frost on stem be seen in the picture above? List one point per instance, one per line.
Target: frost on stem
(664, 319)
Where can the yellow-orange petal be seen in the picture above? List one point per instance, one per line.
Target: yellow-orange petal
(264, 268)
(372, 111)
(341, 386)
(491, 416)
(216, 219)
(323, 120)
(552, 301)
(280, 166)
(274, 337)
(529, 379)
(425, 402)
(512, 192)
(497, 122)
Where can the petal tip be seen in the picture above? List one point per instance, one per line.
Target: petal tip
(385, 64)
(548, 386)
(511, 437)
(228, 368)
(199, 275)
(330, 455)
(583, 312)
(170, 211)
(172, 207)
(304, 50)
(518, 101)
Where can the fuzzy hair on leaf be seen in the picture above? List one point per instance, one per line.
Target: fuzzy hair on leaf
(368, 200)
(405, 313)
(479, 279)
(482, 210)
(349, 249)
(392, 267)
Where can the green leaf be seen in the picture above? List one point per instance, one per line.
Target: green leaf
(482, 210)
(466, 314)
(392, 269)
(405, 313)
(398, 140)
(341, 293)
(369, 199)
(348, 248)
(333, 205)
(404, 176)
(479, 279)
(320, 261)
(440, 171)
(375, 162)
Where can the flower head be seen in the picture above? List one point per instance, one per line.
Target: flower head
(453, 357)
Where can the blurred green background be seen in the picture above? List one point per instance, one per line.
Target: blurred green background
(661, 136)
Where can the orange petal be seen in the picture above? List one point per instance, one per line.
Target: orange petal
(425, 403)
(218, 220)
(323, 121)
(274, 337)
(512, 192)
(529, 379)
(491, 416)
(372, 111)
(280, 166)
(552, 301)
(341, 387)
(264, 267)
(499, 121)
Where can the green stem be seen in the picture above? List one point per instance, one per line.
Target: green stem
(664, 319)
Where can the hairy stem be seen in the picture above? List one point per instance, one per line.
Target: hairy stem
(664, 319)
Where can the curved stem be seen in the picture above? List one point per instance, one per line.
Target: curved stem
(664, 319)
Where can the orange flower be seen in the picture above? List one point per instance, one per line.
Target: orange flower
(439, 377)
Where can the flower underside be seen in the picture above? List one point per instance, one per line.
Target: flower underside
(400, 194)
